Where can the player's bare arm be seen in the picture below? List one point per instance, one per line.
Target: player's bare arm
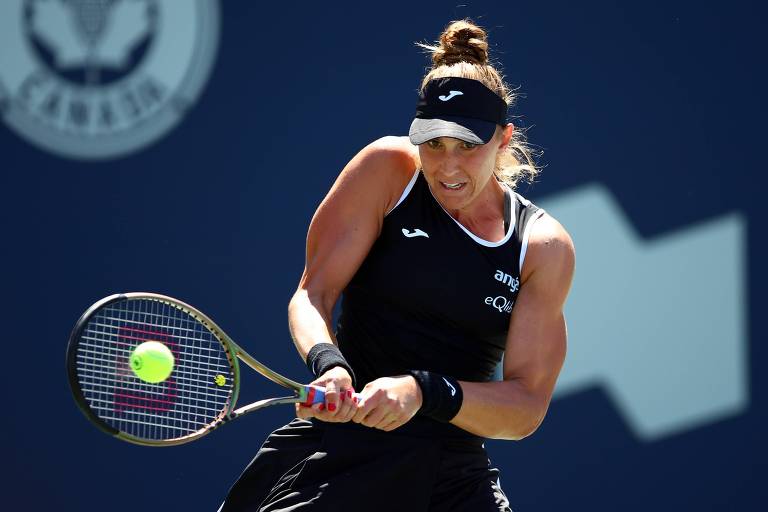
(342, 231)
(536, 343)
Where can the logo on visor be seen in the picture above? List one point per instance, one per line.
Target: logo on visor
(450, 95)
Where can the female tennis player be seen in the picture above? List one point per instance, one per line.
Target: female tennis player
(444, 269)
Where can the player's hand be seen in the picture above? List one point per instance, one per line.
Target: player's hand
(388, 402)
(339, 405)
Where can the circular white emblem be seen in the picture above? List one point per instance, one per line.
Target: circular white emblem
(98, 79)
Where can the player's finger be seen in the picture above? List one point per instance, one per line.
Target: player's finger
(384, 419)
(389, 423)
(343, 413)
(304, 412)
(331, 397)
(347, 406)
(376, 416)
(365, 406)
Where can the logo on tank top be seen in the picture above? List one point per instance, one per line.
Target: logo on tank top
(98, 79)
(415, 232)
(500, 303)
(511, 281)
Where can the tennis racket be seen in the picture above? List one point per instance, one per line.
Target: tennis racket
(199, 395)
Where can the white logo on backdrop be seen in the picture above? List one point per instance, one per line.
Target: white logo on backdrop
(97, 79)
(659, 324)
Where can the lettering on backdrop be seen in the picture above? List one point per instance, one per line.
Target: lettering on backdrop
(98, 79)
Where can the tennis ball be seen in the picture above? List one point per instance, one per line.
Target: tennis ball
(152, 362)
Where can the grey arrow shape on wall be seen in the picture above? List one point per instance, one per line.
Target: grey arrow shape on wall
(660, 324)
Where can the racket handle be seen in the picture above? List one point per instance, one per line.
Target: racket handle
(316, 395)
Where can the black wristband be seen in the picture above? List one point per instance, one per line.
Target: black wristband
(324, 356)
(441, 395)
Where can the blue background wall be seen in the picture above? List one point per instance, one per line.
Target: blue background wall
(661, 103)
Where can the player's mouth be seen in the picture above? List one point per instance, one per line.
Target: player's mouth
(453, 186)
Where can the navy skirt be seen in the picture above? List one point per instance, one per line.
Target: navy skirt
(311, 465)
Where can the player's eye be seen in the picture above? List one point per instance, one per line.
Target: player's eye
(433, 144)
(468, 145)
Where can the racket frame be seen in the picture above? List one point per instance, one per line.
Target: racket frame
(306, 394)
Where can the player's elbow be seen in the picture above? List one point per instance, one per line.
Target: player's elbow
(529, 428)
(516, 432)
(310, 295)
(522, 424)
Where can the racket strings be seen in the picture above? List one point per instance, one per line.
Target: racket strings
(197, 393)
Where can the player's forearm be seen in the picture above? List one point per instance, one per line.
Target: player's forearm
(499, 410)
(309, 320)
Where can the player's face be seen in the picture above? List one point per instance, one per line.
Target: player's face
(458, 171)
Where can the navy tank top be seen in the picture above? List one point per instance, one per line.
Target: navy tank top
(431, 295)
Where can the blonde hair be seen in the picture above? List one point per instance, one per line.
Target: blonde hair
(462, 51)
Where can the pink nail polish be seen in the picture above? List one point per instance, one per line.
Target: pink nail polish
(331, 407)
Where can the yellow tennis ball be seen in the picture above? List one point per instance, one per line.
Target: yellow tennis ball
(152, 362)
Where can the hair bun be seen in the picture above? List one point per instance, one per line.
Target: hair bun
(461, 41)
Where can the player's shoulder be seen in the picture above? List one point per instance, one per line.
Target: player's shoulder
(377, 175)
(396, 153)
(384, 158)
(550, 246)
(383, 168)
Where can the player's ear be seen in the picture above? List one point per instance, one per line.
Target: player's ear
(506, 135)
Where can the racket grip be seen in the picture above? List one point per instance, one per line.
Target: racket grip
(316, 395)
